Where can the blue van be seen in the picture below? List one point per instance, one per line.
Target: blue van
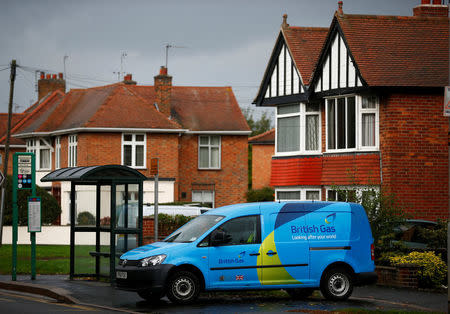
(296, 246)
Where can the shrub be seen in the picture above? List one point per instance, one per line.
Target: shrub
(86, 219)
(435, 238)
(49, 205)
(433, 270)
(262, 195)
(168, 223)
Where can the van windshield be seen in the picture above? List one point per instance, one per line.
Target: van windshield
(194, 229)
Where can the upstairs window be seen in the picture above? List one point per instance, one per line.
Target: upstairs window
(42, 151)
(209, 152)
(58, 152)
(133, 150)
(73, 141)
(298, 129)
(352, 123)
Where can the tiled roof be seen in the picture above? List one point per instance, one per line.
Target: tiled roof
(263, 138)
(305, 44)
(16, 117)
(130, 106)
(398, 50)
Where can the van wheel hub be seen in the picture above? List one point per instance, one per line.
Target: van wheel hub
(183, 287)
(338, 284)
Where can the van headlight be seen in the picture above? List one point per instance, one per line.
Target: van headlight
(152, 260)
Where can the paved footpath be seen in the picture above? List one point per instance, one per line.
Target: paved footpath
(105, 297)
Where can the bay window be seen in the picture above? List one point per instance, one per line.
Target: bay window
(298, 129)
(72, 151)
(298, 194)
(42, 151)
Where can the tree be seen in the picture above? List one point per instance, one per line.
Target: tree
(260, 126)
(49, 205)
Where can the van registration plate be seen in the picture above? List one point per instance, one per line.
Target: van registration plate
(121, 274)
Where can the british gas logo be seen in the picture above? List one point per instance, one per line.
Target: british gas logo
(330, 218)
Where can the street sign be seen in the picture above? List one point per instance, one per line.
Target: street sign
(2, 178)
(447, 101)
(34, 214)
(24, 172)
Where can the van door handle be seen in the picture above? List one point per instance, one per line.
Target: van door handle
(270, 253)
(254, 254)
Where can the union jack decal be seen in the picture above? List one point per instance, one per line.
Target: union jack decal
(239, 277)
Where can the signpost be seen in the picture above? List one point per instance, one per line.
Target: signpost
(24, 176)
(154, 171)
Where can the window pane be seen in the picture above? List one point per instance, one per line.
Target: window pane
(214, 157)
(288, 195)
(44, 158)
(204, 157)
(312, 195)
(128, 137)
(288, 109)
(331, 123)
(368, 129)
(204, 140)
(331, 195)
(342, 196)
(127, 155)
(312, 132)
(139, 138)
(351, 123)
(214, 140)
(241, 230)
(139, 155)
(369, 102)
(288, 134)
(341, 123)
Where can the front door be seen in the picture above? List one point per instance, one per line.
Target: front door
(233, 264)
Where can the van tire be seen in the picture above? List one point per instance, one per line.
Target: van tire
(183, 287)
(299, 293)
(337, 284)
(150, 296)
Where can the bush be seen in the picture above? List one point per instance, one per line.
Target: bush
(49, 205)
(435, 238)
(85, 219)
(263, 195)
(433, 270)
(168, 223)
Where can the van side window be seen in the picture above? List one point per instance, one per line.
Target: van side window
(242, 230)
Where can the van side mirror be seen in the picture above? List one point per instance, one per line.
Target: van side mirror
(219, 237)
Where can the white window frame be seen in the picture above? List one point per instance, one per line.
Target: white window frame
(72, 151)
(209, 146)
(34, 146)
(359, 189)
(202, 192)
(133, 144)
(57, 152)
(302, 191)
(302, 113)
(358, 125)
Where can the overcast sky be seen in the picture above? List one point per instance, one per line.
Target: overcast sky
(227, 42)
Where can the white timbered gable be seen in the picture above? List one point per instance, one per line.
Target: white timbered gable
(284, 78)
(337, 70)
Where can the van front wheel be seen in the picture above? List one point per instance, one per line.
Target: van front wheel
(337, 284)
(183, 287)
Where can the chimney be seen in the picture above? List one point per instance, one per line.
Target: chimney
(340, 11)
(128, 79)
(431, 8)
(50, 83)
(284, 24)
(163, 91)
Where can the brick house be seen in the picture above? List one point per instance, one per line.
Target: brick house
(198, 133)
(263, 148)
(360, 104)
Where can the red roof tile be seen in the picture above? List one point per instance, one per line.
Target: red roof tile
(305, 44)
(263, 138)
(16, 117)
(398, 50)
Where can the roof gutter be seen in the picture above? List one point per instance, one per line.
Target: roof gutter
(220, 132)
(14, 146)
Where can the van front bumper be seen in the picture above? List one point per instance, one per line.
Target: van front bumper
(151, 278)
(364, 279)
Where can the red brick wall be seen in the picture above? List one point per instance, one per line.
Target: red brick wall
(414, 151)
(261, 165)
(230, 181)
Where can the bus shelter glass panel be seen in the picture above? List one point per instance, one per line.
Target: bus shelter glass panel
(105, 206)
(85, 205)
(127, 213)
(84, 262)
(105, 249)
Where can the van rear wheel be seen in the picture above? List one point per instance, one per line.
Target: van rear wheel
(337, 284)
(299, 293)
(183, 287)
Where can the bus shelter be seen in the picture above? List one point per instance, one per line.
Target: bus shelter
(105, 216)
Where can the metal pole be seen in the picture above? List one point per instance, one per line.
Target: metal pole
(33, 234)
(156, 208)
(15, 220)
